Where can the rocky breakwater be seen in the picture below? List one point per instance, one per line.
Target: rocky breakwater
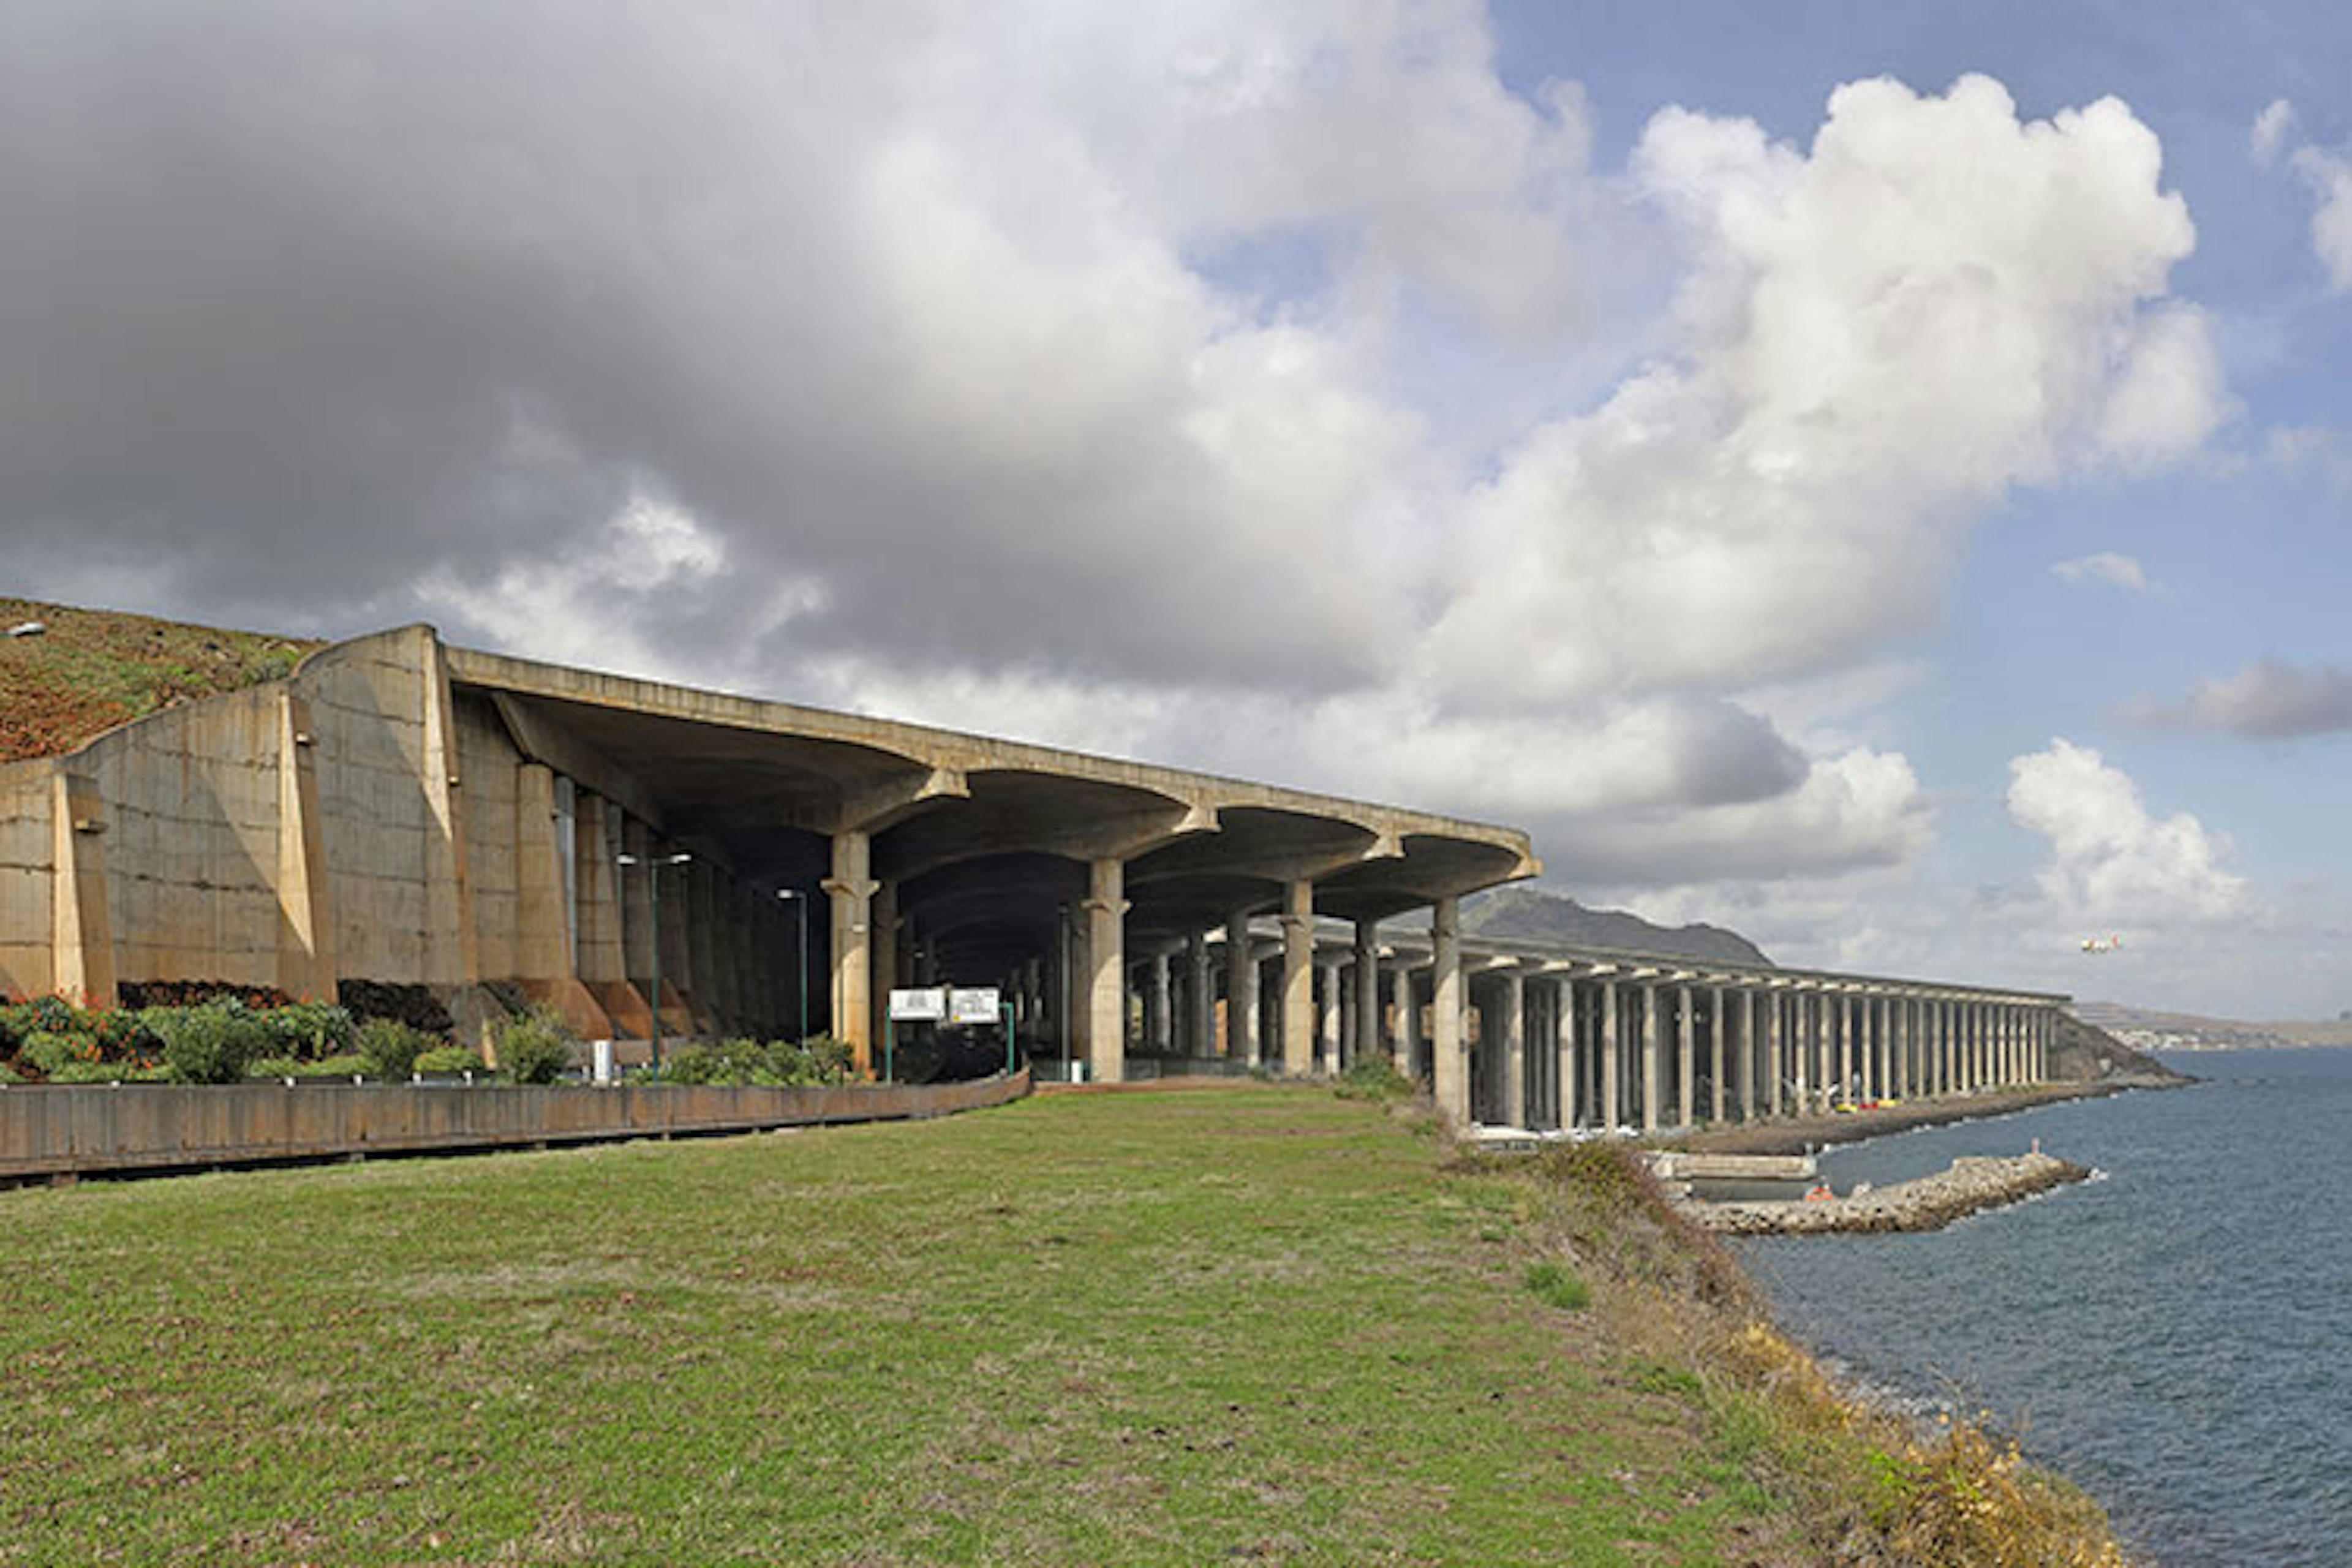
(1973, 1182)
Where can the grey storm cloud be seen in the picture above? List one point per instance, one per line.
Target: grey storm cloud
(2268, 700)
(302, 303)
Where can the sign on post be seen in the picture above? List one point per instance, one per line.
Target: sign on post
(927, 1006)
(973, 1005)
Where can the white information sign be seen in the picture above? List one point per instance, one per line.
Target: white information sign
(974, 1005)
(917, 1007)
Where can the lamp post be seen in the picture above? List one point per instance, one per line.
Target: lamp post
(653, 865)
(799, 901)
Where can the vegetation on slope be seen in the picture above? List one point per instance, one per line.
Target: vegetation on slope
(91, 670)
(1244, 1324)
(1877, 1490)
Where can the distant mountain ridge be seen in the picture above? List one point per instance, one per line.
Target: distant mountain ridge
(1530, 915)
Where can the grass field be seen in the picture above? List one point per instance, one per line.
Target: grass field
(1216, 1325)
(93, 669)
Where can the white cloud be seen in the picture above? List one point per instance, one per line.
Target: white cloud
(2268, 700)
(1060, 370)
(1934, 303)
(2270, 132)
(2329, 175)
(2112, 864)
(2105, 566)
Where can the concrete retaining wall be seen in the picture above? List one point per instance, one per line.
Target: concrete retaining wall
(87, 1129)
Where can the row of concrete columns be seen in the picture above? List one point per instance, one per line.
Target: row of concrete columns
(1534, 1042)
(1597, 1050)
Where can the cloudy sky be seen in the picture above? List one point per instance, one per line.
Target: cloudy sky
(1872, 476)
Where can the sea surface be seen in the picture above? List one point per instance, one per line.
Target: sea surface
(2174, 1336)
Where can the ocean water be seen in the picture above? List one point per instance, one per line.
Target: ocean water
(2176, 1335)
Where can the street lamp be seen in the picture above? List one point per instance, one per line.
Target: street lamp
(653, 865)
(799, 901)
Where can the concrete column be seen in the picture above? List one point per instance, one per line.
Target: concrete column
(1157, 995)
(851, 890)
(1562, 1022)
(1747, 1053)
(1866, 1043)
(1326, 1029)
(1800, 1052)
(542, 938)
(1826, 1064)
(1653, 1050)
(1450, 1066)
(1106, 1002)
(888, 950)
(1898, 1083)
(1842, 1022)
(1241, 990)
(452, 951)
(1714, 1057)
(1367, 985)
(1686, 1058)
(1297, 979)
(1200, 1024)
(1408, 1021)
(81, 932)
(594, 876)
(1343, 987)
(1514, 1049)
(306, 904)
(1610, 1046)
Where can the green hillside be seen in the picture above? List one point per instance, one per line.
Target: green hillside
(86, 671)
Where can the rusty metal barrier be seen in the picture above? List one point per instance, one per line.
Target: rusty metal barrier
(89, 1129)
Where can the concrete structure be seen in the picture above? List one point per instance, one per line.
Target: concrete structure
(404, 812)
(401, 811)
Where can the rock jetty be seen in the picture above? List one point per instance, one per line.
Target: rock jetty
(1973, 1182)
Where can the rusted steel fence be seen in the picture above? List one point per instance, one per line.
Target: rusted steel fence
(86, 1129)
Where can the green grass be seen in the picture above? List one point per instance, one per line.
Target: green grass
(1241, 1324)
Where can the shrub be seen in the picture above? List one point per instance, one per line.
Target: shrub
(1557, 1286)
(9, 1074)
(110, 1072)
(720, 1064)
(297, 1066)
(308, 1030)
(1374, 1078)
(210, 1044)
(819, 1060)
(534, 1047)
(389, 1049)
(49, 1053)
(40, 1014)
(449, 1059)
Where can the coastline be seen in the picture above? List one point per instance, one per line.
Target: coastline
(1805, 1135)
(1883, 1485)
(1981, 1455)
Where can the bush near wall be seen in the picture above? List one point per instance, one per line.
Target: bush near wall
(819, 1060)
(218, 1040)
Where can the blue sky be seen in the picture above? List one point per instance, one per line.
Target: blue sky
(1870, 475)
